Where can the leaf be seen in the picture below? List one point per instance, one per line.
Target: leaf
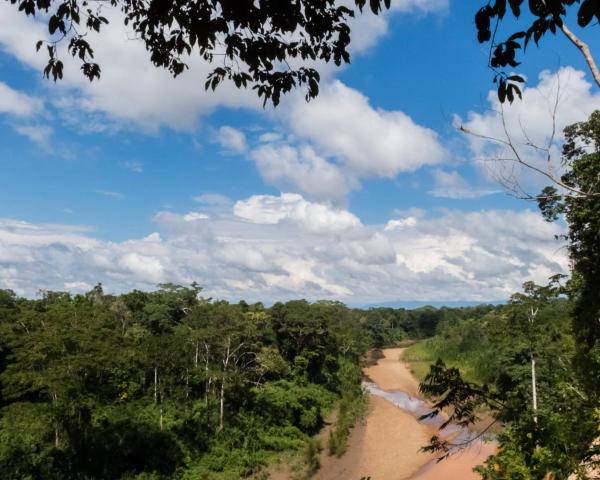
(516, 78)
(586, 12)
(515, 6)
(53, 24)
(502, 91)
(509, 93)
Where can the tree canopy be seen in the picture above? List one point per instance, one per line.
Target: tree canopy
(254, 42)
(275, 46)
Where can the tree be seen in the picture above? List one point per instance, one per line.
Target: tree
(547, 16)
(256, 43)
(552, 433)
(272, 46)
(581, 157)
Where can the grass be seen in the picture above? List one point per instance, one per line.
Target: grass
(421, 355)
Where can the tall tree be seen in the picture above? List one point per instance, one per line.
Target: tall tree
(581, 157)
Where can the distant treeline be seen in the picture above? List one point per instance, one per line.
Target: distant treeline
(167, 384)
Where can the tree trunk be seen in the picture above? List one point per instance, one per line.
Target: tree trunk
(187, 383)
(534, 390)
(56, 436)
(222, 399)
(155, 385)
(208, 379)
(532, 315)
(222, 404)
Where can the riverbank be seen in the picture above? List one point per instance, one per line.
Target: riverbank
(386, 446)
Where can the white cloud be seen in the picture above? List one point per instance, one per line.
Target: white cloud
(302, 169)
(38, 134)
(194, 216)
(291, 207)
(529, 124)
(17, 103)
(367, 29)
(400, 223)
(143, 266)
(369, 141)
(453, 185)
(231, 139)
(133, 92)
(280, 247)
(338, 139)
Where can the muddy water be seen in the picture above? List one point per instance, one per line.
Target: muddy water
(460, 464)
(387, 445)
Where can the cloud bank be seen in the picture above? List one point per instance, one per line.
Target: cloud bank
(269, 248)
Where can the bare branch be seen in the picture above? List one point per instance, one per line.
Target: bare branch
(585, 51)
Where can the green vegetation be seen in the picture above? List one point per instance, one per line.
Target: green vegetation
(494, 362)
(535, 363)
(352, 408)
(256, 36)
(165, 384)
(168, 385)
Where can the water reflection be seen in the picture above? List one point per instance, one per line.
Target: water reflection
(417, 407)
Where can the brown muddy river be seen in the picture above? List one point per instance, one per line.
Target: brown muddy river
(387, 445)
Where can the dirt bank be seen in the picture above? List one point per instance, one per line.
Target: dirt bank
(386, 446)
(391, 374)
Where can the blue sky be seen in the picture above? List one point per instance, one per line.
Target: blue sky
(368, 194)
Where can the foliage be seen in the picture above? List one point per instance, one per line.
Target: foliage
(497, 353)
(256, 42)
(545, 16)
(312, 454)
(352, 408)
(166, 384)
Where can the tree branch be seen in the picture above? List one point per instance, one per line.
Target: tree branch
(585, 50)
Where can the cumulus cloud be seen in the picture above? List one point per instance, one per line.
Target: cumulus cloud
(292, 207)
(395, 224)
(280, 247)
(302, 169)
(367, 29)
(338, 139)
(133, 92)
(369, 141)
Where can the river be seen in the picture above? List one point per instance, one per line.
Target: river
(386, 446)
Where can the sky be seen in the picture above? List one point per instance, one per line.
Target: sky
(368, 194)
